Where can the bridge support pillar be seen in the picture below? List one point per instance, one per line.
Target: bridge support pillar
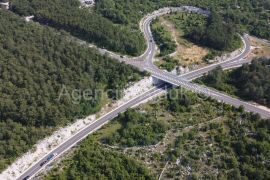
(157, 81)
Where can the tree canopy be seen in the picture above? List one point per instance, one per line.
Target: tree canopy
(137, 129)
(253, 81)
(245, 15)
(92, 161)
(36, 63)
(82, 23)
(216, 34)
(250, 82)
(163, 39)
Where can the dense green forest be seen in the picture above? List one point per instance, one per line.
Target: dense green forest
(137, 129)
(92, 161)
(16, 139)
(216, 34)
(114, 24)
(245, 15)
(36, 63)
(82, 23)
(250, 82)
(186, 22)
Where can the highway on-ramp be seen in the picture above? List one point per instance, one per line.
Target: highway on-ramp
(184, 80)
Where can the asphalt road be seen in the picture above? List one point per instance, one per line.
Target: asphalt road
(184, 80)
(144, 62)
(88, 130)
(219, 96)
(231, 62)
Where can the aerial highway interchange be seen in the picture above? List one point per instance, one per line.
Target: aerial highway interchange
(145, 63)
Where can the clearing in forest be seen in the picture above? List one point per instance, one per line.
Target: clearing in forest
(261, 48)
(187, 53)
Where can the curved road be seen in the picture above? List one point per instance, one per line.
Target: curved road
(144, 62)
(184, 80)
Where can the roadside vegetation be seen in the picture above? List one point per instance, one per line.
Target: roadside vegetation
(36, 63)
(137, 129)
(236, 147)
(166, 44)
(216, 34)
(168, 63)
(250, 82)
(189, 53)
(204, 140)
(92, 161)
(163, 38)
(211, 34)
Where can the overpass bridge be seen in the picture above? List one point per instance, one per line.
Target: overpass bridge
(212, 93)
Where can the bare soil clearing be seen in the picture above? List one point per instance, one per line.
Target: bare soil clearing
(260, 48)
(187, 53)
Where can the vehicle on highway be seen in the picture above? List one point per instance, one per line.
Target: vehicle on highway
(44, 162)
(50, 157)
(27, 177)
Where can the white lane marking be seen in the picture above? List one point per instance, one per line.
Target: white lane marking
(80, 132)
